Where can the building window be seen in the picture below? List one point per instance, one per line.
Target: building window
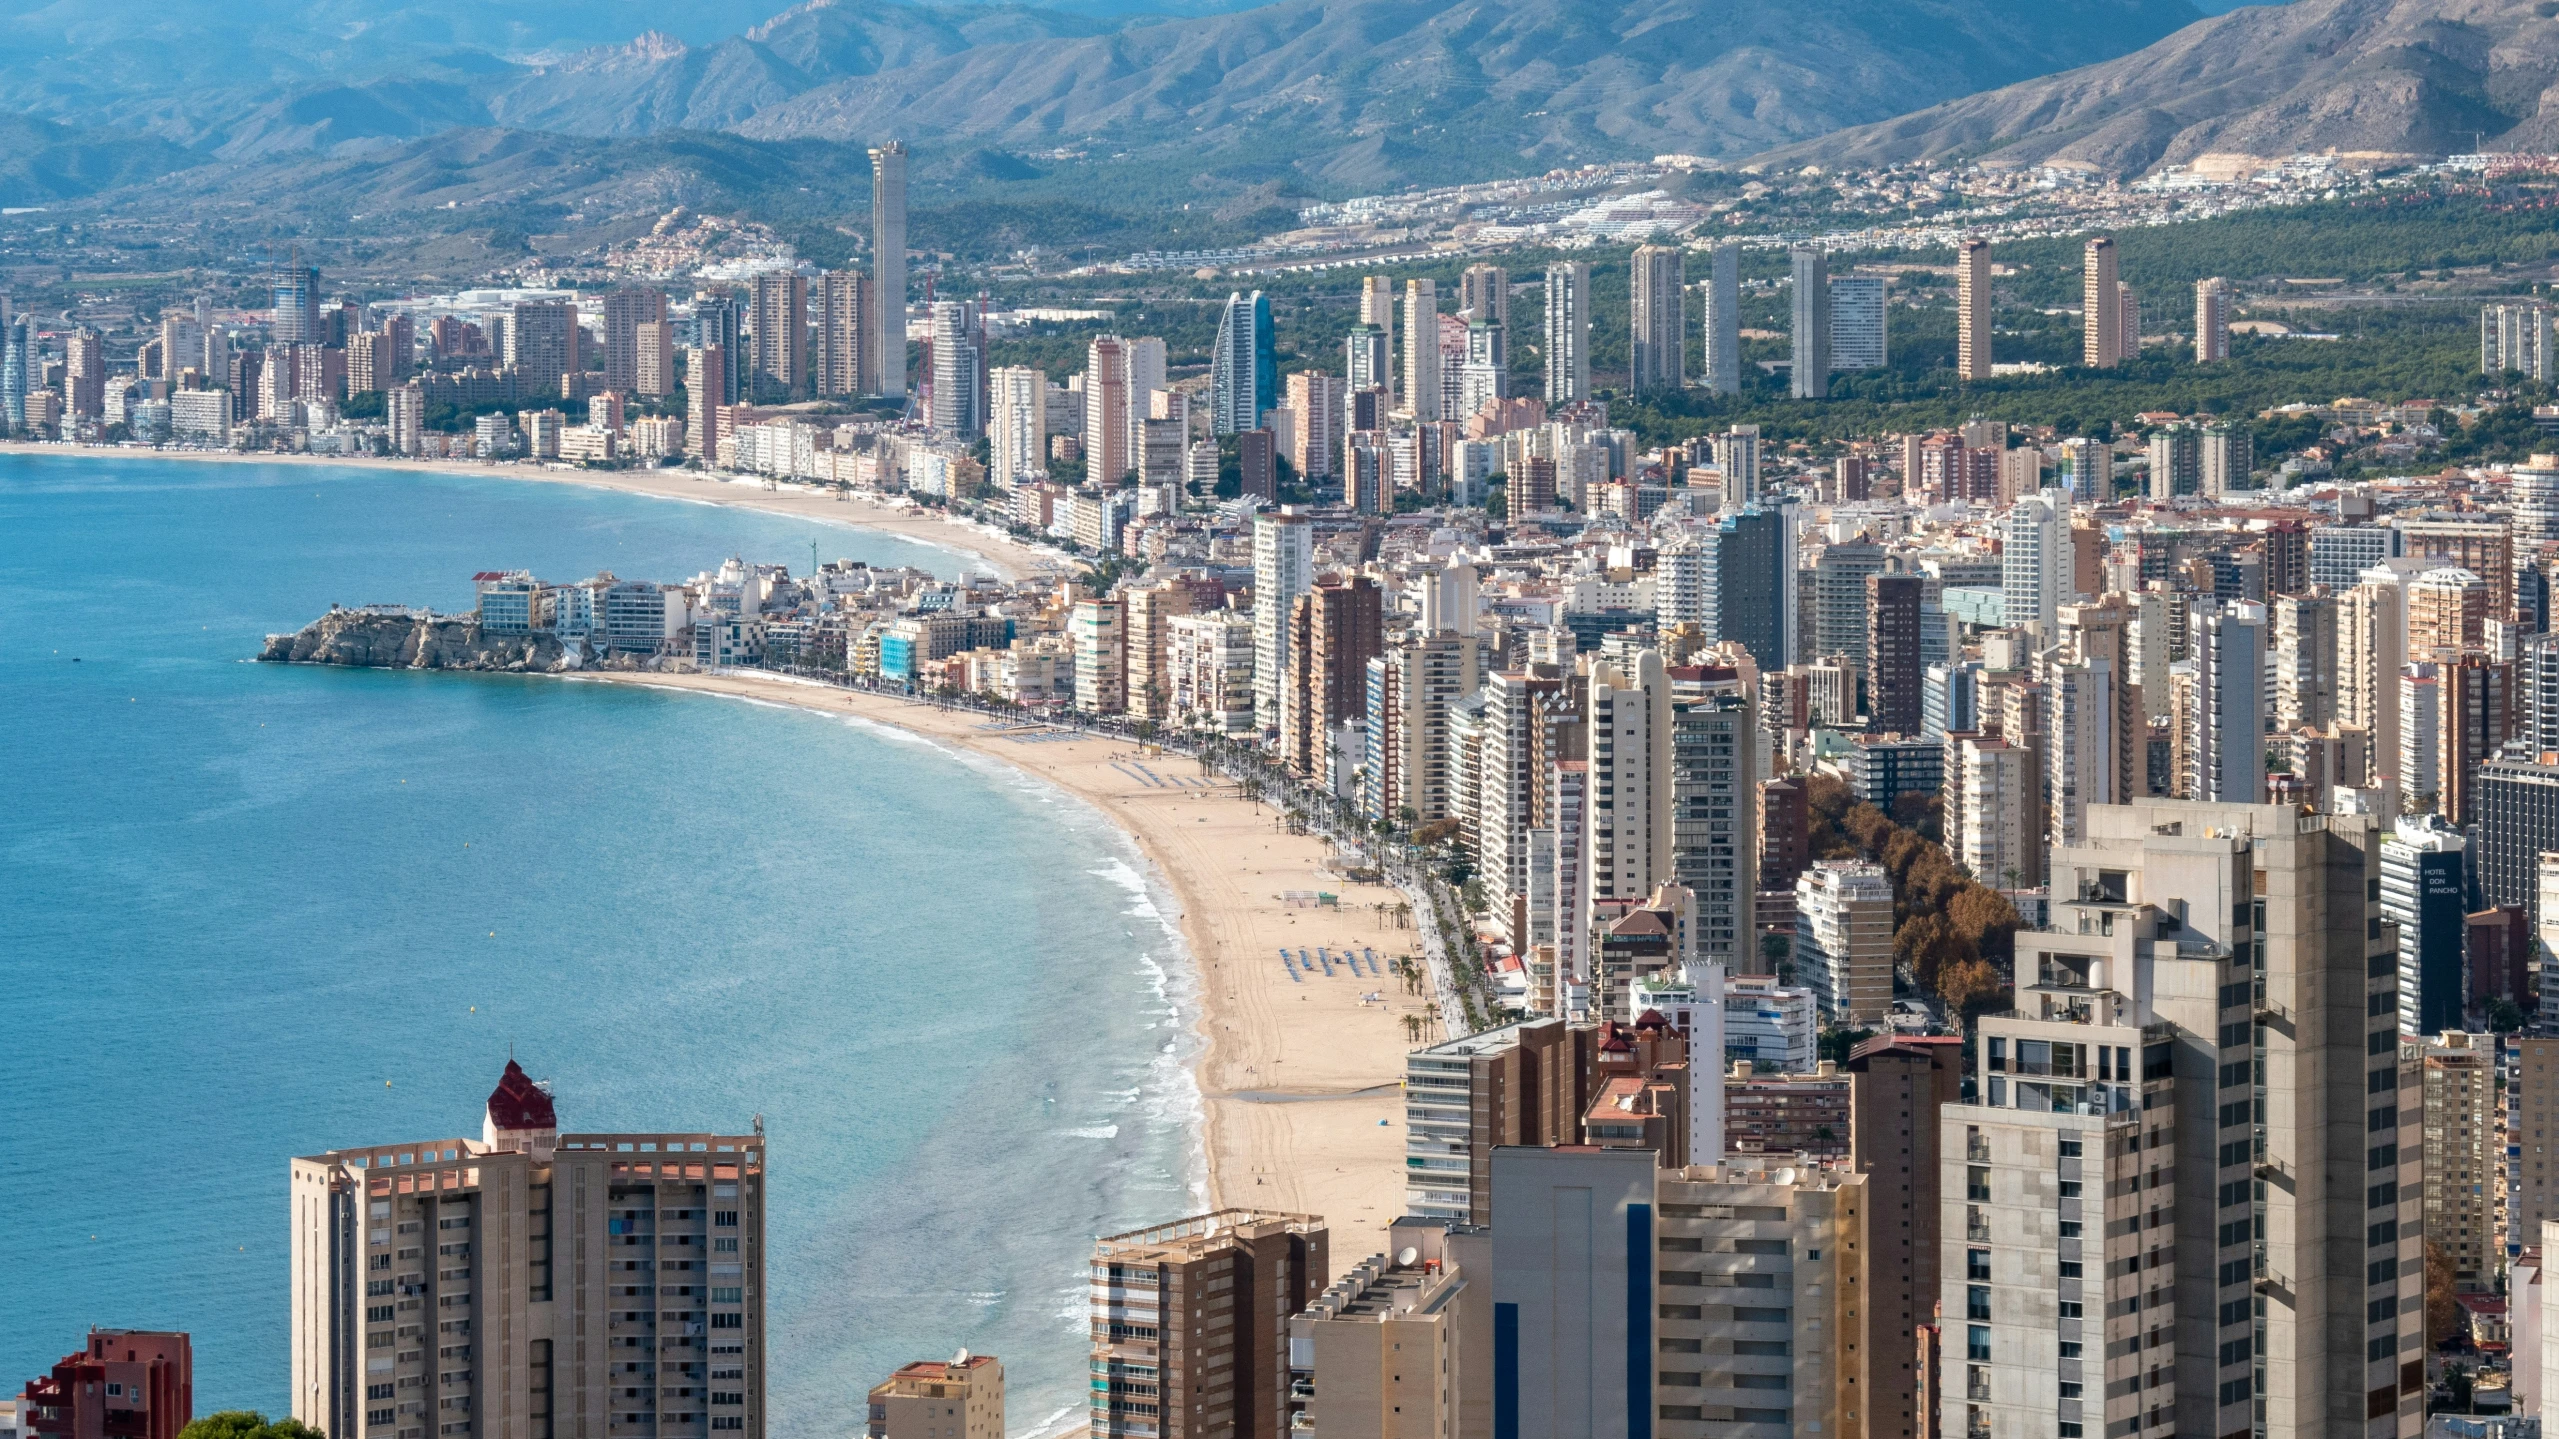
(1977, 1343)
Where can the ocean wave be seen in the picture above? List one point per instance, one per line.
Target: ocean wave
(1097, 1131)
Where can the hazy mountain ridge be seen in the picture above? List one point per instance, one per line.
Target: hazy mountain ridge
(2424, 77)
(1351, 93)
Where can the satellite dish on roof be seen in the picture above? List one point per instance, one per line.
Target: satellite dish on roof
(1407, 1255)
(1786, 1176)
(960, 1360)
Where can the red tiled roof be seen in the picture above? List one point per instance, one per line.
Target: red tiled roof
(518, 1103)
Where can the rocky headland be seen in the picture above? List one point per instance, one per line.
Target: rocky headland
(396, 637)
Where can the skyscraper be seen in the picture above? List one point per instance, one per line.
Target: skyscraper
(888, 269)
(626, 309)
(1107, 405)
(2211, 1006)
(1749, 569)
(2227, 728)
(1844, 939)
(293, 315)
(1723, 319)
(843, 341)
(1017, 425)
(1283, 569)
(2101, 306)
(1244, 369)
(958, 400)
(1335, 629)
(2422, 861)
(542, 344)
(779, 312)
(1811, 368)
(1657, 359)
(462, 1281)
(1567, 332)
(1377, 308)
(1208, 1299)
(1859, 317)
(2034, 564)
(1421, 351)
(1972, 310)
(1892, 653)
(1484, 293)
(719, 322)
(1315, 417)
(2212, 320)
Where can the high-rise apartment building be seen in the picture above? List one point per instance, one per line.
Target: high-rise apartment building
(626, 309)
(1190, 1324)
(1151, 610)
(1629, 747)
(1844, 939)
(1899, 1086)
(1400, 1345)
(1568, 311)
(542, 343)
(2193, 1118)
(1098, 630)
(1657, 354)
(2101, 306)
(490, 1287)
(1412, 690)
(1810, 372)
(778, 312)
(887, 368)
(841, 351)
(293, 313)
(2530, 1068)
(657, 361)
(1723, 322)
(1315, 417)
(1244, 368)
(1859, 323)
(2226, 729)
(1484, 293)
(2516, 336)
(1525, 1083)
(1283, 569)
(1017, 425)
(2035, 561)
(1335, 629)
(961, 1398)
(1991, 793)
(1893, 608)
(1714, 822)
(956, 405)
(123, 1384)
(2212, 320)
(2225, 459)
(1421, 351)
(1972, 310)
(2465, 1142)
(84, 373)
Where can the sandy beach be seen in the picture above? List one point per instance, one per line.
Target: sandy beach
(1302, 1080)
(989, 549)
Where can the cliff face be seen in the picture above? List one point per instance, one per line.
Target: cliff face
(417, 640)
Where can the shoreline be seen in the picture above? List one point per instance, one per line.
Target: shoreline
(1000, 554)
(1300, 1083)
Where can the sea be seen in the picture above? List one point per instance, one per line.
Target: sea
(254, 911)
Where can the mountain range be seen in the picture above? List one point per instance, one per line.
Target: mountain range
(1343, 94)
(2392, 77)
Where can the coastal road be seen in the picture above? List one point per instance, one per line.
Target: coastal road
(1452, 1014)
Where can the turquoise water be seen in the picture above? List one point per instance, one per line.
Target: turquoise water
(254, 911)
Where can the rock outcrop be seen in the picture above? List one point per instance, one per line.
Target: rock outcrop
(390, 637)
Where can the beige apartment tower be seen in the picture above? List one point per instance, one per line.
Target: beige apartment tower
(958, 1398)
(2463, 1145)
(1972, 310)
(841, 348)
(530, 1284)
(2101, 306)
(2212, 320)
(1401, 1346)
(1191, 1324)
